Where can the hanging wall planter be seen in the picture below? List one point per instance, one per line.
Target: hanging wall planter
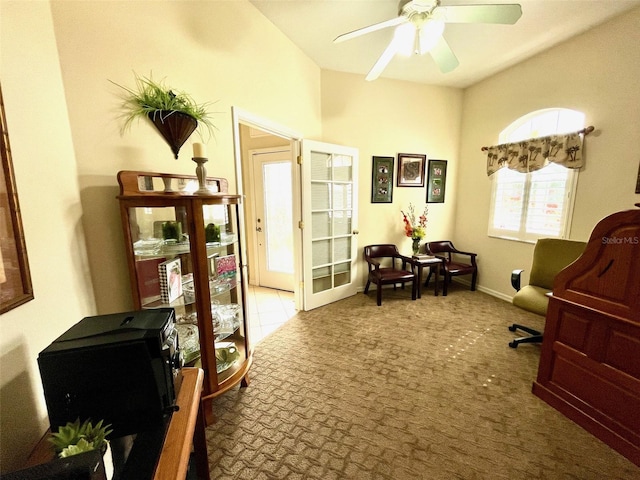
(174, 126)
(175, 114)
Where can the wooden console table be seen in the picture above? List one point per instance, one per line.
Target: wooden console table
(186, 428)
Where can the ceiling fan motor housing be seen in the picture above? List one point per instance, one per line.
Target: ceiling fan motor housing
(411, 7)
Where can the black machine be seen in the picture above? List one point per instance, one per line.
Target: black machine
(122, 368)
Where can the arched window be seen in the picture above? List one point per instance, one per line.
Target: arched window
(528, 206)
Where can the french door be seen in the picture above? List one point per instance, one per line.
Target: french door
(330, 222)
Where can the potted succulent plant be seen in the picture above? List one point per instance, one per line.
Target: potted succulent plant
(75, 437)
(174, 113)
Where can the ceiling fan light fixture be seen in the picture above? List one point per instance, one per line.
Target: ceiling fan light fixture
(420, 27)
(405, 37)
(429, 35)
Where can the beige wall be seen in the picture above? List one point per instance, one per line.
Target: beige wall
(596, 73)
(47, 183)
(384, 118)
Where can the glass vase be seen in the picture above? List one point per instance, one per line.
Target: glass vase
(415, 245)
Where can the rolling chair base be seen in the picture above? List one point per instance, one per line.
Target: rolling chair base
(536, 336)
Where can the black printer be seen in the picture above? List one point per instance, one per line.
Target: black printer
(122, 368)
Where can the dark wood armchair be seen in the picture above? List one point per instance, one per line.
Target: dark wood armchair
(388, 267)
(453, 263)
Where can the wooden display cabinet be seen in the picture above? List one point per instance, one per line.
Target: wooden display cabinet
(184, 251)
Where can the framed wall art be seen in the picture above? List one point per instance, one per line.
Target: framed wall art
(382, 180)
(15, 279)
(411, 169)
(437, 181)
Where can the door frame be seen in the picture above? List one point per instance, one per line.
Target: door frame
(240, 116)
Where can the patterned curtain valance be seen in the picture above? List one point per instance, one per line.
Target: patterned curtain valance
(536, 153)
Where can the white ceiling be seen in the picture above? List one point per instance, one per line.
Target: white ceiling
(481, 49)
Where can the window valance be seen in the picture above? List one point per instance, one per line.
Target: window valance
(536, 153)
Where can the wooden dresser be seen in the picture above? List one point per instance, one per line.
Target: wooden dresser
(590, 358)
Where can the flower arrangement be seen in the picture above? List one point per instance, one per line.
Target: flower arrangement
(412, 229)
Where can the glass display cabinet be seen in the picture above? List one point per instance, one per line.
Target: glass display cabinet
(184, 251)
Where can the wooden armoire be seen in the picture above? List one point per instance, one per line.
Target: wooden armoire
(590, 357)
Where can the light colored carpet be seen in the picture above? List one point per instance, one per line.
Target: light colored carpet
(409, 390)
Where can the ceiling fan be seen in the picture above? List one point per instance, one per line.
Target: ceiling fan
(419, 27)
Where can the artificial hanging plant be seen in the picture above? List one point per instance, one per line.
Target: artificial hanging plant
(174, 113)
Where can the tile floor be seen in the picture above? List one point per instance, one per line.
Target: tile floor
(268, 309)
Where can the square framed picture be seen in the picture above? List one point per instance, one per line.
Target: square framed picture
(382, 180)
(411, 169)
(437, 181)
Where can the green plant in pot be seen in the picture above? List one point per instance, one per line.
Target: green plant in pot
(75, 437)
(175, 114)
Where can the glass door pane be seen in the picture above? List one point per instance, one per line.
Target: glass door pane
(331, 200)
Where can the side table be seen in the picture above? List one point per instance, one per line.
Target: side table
(419, 262)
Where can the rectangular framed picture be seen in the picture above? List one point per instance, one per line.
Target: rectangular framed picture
(170, 279)
(411, 169)
(382, 180)
(15, 276)
(437, 181)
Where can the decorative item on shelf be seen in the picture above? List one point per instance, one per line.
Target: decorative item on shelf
(226, 355)
(170, 279)
(189, 342)
(226, 266)
(200, 157)
(415, 230)
(212, 233)
(173, 113)
(171, 231)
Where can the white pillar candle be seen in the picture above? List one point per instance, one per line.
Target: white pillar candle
(199, 150)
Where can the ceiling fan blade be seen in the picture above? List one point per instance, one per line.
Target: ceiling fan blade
(444, 56)
(384, 60)
(371, 28)
(503, 13)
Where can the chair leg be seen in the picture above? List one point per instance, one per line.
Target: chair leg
(533, 339)
(474, 277)
(366, 287)
(446, 278)
(379, 294)
(524, 328)
(414, 289)
(426, 282)
(535, 335)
